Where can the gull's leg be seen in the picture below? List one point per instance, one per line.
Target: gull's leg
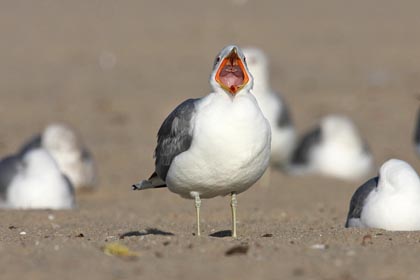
(197, 210)
(233, 204)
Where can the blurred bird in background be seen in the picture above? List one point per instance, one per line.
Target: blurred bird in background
(32, 180)
(283, 133)
(66, 148)
(333, 148)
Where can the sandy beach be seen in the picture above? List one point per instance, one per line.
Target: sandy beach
(115, 69)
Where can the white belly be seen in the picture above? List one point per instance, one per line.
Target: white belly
(230, 150)
(392, 212)
(348, 163)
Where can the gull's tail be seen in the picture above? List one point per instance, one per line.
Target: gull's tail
(152, 183)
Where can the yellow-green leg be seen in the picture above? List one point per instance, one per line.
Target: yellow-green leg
(197, 211)
(233, 204)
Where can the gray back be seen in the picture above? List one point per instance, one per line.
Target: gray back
(174, 136)
(9, 167)
(359, 197)
(306, 144)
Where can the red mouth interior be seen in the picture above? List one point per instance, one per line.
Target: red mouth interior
(231, 74)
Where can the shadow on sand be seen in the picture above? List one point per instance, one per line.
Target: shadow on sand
(221, 234)
(148, 231)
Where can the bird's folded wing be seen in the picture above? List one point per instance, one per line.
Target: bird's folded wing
(174, 136)
(359, 197)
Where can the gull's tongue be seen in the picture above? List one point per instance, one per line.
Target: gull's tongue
(231, 80)
(232, 76)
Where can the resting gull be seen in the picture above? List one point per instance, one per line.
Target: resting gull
(65, 146)
(390, 201)
(333, 148)
(32, 180)
(216, 145)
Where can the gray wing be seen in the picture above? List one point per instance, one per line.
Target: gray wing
(33, 143)
(174, 136)
(9, 167)
(359, 197)
(305, 145)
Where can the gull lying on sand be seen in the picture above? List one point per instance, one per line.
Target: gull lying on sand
(32, 180)
(65, 146)
(390, 201)
(334, 148)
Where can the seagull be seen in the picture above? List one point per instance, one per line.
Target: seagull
(73, 159)
(32, 180)
(390, 201)
(216, 145)
(334, 148)
(283, 133)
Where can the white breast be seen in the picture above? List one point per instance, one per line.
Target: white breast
(40, 185)
(230, 148)
(342, 161)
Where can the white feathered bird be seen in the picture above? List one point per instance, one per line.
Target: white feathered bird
(216, 145)
(67, 149)
(390, 201)
(32, 180)
(334, 148)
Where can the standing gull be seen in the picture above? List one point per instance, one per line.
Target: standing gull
(283, 134)
(390, 201)
(32, 180)
(215, 145)
(73, 159)
(334, 148)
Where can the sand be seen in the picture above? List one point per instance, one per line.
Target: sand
(114, 69)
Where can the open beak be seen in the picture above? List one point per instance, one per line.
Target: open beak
(232, 75)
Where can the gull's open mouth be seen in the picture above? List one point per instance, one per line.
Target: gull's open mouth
(232, 75)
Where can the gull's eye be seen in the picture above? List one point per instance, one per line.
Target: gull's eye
(216, 60)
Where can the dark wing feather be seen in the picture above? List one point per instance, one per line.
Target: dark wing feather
(33, 143)
(9, 167)
(359, 197)
(306, 143)
(174, 136)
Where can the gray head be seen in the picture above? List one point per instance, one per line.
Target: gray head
(230, 72)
